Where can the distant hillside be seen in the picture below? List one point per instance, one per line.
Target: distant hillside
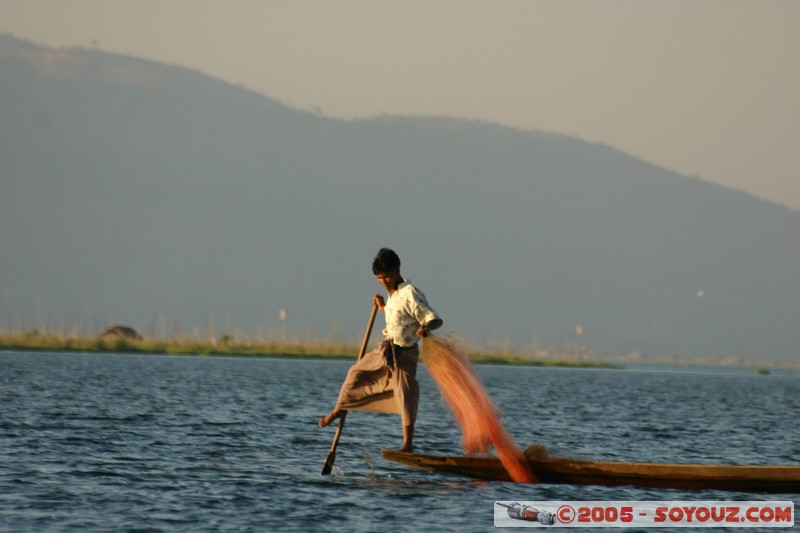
(158, 197)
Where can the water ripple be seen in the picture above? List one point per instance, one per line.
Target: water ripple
(151, 443)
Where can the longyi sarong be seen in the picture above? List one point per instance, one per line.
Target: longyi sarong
(384, 380)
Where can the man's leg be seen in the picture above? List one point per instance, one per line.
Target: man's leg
(406, 392)
(408, 439)
(367, 378)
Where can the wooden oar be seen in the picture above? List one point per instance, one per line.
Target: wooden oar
(328, 466)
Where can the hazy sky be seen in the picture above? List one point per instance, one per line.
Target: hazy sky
(709, 88)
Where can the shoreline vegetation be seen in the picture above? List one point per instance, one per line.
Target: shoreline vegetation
(574, 356)
(34, 341)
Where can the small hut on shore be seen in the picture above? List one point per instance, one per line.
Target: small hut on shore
(124, 332)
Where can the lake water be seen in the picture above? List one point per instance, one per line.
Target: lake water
(102, 443)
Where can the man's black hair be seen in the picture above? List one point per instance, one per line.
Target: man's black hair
(385, 261)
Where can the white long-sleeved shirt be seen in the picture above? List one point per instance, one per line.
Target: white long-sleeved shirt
(405, 311)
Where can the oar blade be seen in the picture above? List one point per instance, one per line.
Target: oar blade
(327, 468)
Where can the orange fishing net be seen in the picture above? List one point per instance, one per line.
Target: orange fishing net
(472, 407)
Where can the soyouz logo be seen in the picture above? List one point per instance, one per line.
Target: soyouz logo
(556, 513)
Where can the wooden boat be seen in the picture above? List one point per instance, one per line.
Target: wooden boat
(765, 479)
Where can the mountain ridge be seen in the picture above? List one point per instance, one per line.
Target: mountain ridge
(204, 199)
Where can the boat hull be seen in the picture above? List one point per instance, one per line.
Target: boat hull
(765, 479)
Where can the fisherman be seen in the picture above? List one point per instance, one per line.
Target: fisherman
(384, 379)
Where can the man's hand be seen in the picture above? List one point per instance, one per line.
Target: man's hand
(425, 329)
(378, 300)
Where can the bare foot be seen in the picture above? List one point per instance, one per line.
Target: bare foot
(407, 448)
(327, 419)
